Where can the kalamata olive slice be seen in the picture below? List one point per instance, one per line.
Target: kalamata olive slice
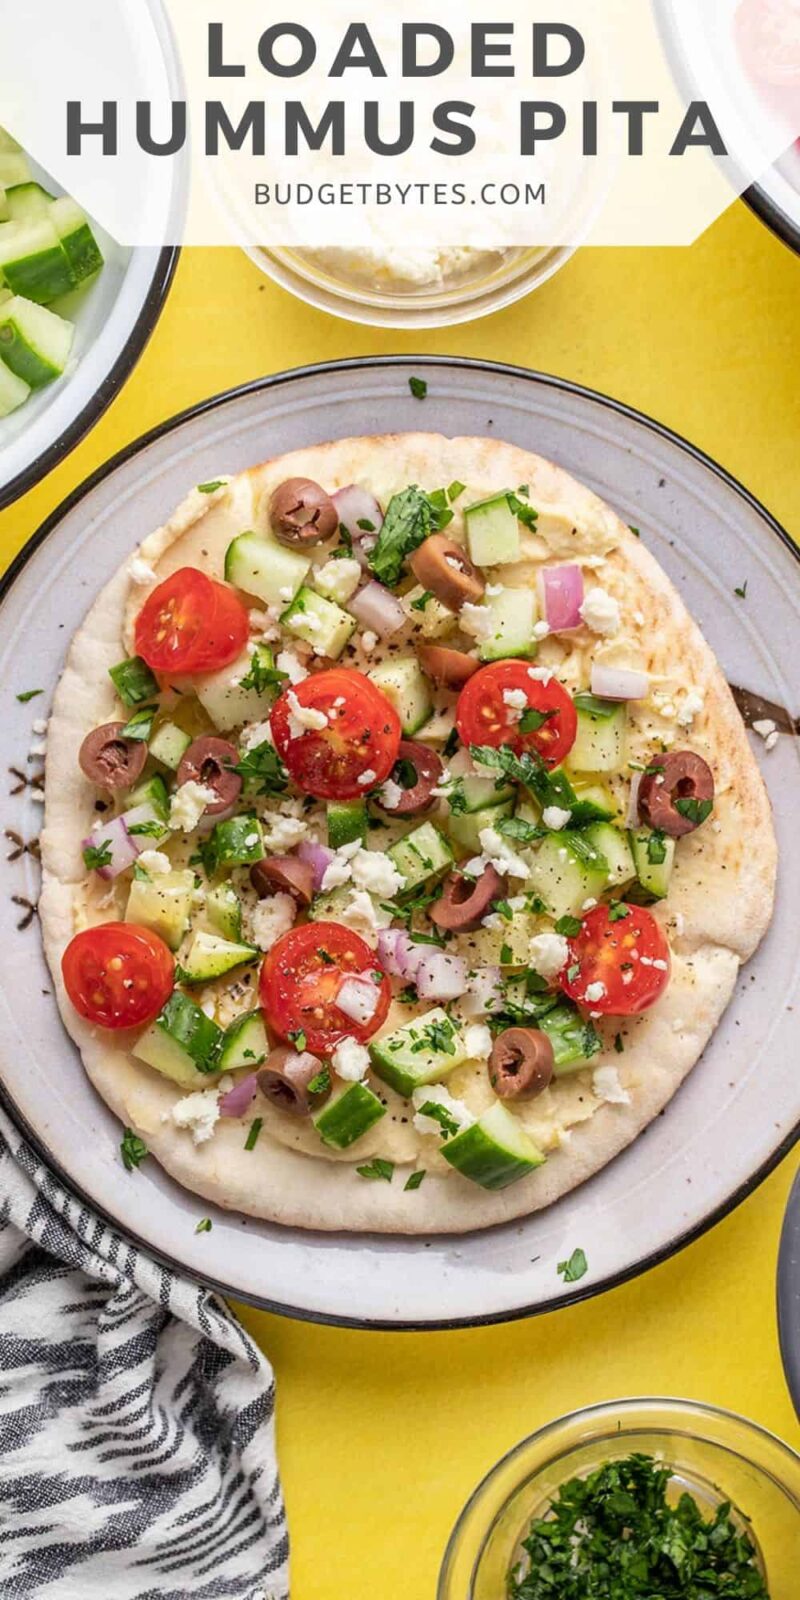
(286, 1078)
(417, 793)
(444, 567)
(521, 1064)
(208, 760)
(450, 668)
(301, 513)
(679, 776)
(464, 902)
(111, 762)
(284, 875)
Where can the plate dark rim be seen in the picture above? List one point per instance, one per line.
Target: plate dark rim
(355, 364)
(111, 385)
(788, 1292)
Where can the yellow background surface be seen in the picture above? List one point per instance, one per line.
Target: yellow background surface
(383, 1436)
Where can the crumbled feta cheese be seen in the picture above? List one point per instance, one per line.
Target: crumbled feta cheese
(556, 818)
(339, 869)
(254, 734)
(541, 674)
(364, 916)
(439, 1096)
(607, 1086)
(338, 579)
(541, 630)
(771, 740)
(358, 999)
(155, 862)
(493, 590)
(286, 661)
(691, 706)
(283, 833)
(141, 573)
(377, 874)
(38, 749)
(478, 1041)
(366, 778)
(350, 1061)
(502, 857)
(391, 794)
(265, 624)
(595, 991)
(600, 612)
(303, 719)
(40, 725)
(369, 641)
(767, 730)
(477, 621)
(199, 1113)
(188, 804)
(269, 919)
(549, 954)
(515, 699)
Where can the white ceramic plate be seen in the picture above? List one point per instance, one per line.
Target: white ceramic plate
(740, 1109)
(114, 317)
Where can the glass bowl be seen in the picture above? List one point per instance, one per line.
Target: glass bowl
(495, 280)
(714, 1455)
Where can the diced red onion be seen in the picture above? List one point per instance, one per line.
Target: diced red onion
(619, 683)
(440, 976)
(358, 999)
(376, 608)
(353, 505)
(398, 954)
(124, 850)
(319, 858)
(485, 992)
(632, 818)
(562, 597)
(239, 1099)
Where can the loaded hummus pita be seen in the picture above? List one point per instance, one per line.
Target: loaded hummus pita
(402, 840)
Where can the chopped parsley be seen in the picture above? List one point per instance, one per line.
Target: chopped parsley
(617, 911)
(255, 1129)
(263, 674)
(415, 1181)
(344, 548)
(526, 514)
(96, 856)
(321, 1083)
(140, 726)
(455, 490)
(506, 955)
(576, 1268)
(503, 910)
(28, 694)
(741, 590)
(622, 1533)
(147, 830)
(410, 516)
(635, 531)
(451, 744)
(204, 1225)
(569, 926)
(377, 1170)
(133, 1150)
(696, 810)
(422, 602)
(532, 720)
(517, 828)
(211, 488)
(263, 766)
(298, 1039)
(365, 525)
(619, 1045)
(549, 788)
(440, 1114)
(437, 1037)
(656, 849)
(418, 387)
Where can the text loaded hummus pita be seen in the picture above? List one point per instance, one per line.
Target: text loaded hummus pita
(402, 840)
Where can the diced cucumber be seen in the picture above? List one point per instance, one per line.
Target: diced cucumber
(235, 843)
(404, 684)
(232, 696)
(34, 342)
(210, 957)
(495, 1151)
(423, 856)
(573, 1039)
(479, 792)
(431, 619)
(513, 614)
(654, 857)
(600, 741)
(329, 907)
(492, 532)
(151, 792)
(14, 391)
(262, 567)
(28, 201)
(508, 946)
(422, 1051)
(33, 262)
(77, 239)
(322, 623)
(347, 821)
(15, 168)
(245, 1043)
(567, 871)
(348, 1116)
(613, 844)
(597, 794)
(133, 681)
(183, 1043)
(162, 903)
(169, 745)
(465, 828)
(224, 912)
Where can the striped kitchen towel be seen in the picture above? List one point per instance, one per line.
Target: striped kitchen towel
(137, 1440)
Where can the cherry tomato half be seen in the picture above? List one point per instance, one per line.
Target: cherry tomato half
(300, 979)
(485, 716)
(625, 955)
(357, 748)
(190, 624)
(118, 975)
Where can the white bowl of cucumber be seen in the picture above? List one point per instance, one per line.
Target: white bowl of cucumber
(76, 311)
